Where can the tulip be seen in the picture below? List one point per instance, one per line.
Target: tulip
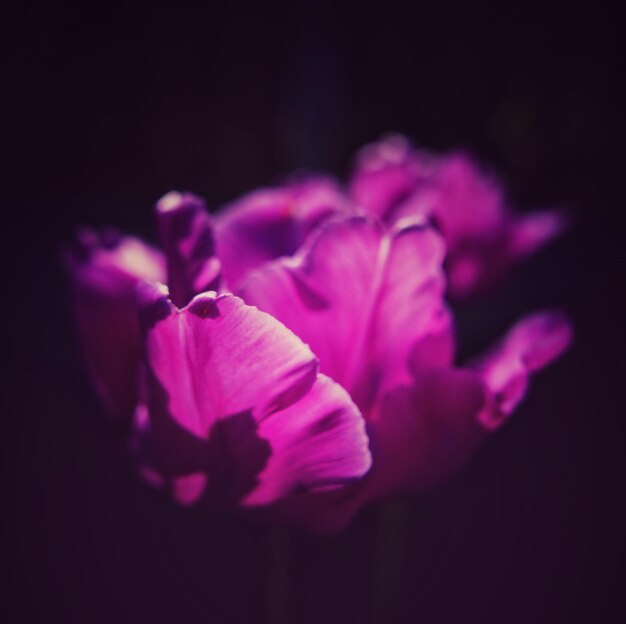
(294, 357)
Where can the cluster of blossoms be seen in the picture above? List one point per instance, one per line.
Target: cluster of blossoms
(299, 364)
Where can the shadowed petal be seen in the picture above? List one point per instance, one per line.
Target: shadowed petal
(104, 269)
(364, 300)
(529, 233)
(274, 222)
(421, 434)
(386, 173)
(232, 393)
(467, 203)
(484, 236)
(530, 345)
(186, 236)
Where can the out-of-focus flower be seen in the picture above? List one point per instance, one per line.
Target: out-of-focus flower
(327, 380)
(484, 237)
(105, 269)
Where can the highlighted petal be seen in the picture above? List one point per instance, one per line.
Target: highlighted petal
(104, 269)
(364, 300)
(219, 357)
(187, 238)
(317, 442)
(271, 223)
(234, 395)
(419, 436)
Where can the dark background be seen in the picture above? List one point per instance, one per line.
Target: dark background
(106, 110)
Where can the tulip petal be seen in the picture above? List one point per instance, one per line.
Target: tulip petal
(533, 343)
(467, 203)
(104, 269)
(423, 433)
(271, 223)
(420, 434)
(483, 235)
(364, 300)
(234, 395)
(386, 173)
(317, 442)
(529, 233)
(186, 236)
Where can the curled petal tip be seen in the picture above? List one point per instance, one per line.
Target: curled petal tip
(390, 150)
(153, 303)
(532, 232)
(149, 292)
(530, 345)
(205, 305)
(175, 200)
(542, 337)
(186, 233)
(169, 201)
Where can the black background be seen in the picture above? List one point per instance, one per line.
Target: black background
(106, 110)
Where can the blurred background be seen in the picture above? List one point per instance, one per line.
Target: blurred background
(107, 109)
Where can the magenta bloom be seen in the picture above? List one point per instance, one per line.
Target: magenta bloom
(301, 361)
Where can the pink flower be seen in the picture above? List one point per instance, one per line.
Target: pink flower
(327, 380)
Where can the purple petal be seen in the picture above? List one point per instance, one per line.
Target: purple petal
(419, 435)
(467, 203)
(530, 345)
(364, 300)
(529, 233)
(483, 235)
(104, 269)
(235, 396)
(386, 173)
(422, 433)
(317, 442)
(475, 265)
(271, 223)
(186, 235)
